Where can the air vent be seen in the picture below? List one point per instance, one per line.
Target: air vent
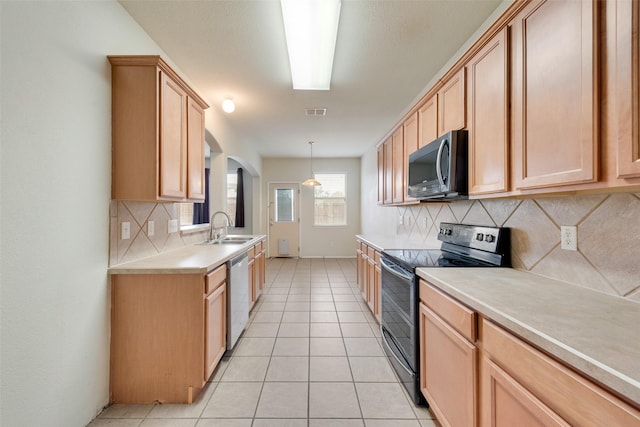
(315, 111)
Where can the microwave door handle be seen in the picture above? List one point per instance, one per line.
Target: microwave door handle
(438, 160)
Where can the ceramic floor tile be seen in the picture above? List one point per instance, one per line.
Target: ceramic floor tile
(272, 306)
(356, 330)
(233, 400)
(299, 291)
(274, 298)
(115, 422)
(363, 347)
(371, 369)
(325, 330)
(295, 317)
(283, 400)
(326, 369)
(297, 306)
(391, 423)
(343, 291)
(272, 422)
(288, 368)
(322, 298)
(217, 422)
(344, 298)
(267, 317)
(124, 410)
(294, 330)
(323, 306)
(323, 317)
(254, 347)
(348, 306)
(383, 400)
(429, 423)
(182, 422)
(333, 400)
(326, 347)
(184, 410)
(261, 330)
(321, 291)
(335, 423)
(351, 317)
(291, 347)
(246, 369)
(219, 370)
(299, 298)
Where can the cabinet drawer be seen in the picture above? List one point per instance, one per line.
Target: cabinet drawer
(262, 246)
(215, 278)
(371, 253)
(251, 253)
(573, 397)
(461, 318)
(377, 258)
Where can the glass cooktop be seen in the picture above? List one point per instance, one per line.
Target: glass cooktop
(414, 258)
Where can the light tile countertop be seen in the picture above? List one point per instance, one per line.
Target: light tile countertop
(187, 260)
(595, 333)
(381, 243)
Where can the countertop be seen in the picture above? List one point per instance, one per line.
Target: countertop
(192, 259)
(595, 333)
(381, 243)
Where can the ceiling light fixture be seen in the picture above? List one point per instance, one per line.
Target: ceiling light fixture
(311, 182)
(228, 106)
(311, 29)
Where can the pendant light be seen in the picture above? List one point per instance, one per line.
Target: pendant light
(311, 182)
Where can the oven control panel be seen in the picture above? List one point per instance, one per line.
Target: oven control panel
(472, 236)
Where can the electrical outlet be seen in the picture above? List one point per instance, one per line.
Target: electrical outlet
(151, 228)
(400, 220)
(125, 230)
(173, 226)
(569, 237)
(426, 222)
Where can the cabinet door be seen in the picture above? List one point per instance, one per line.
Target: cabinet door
(388, 171)
(628, 87)
(488, 109)
(252, 288)
(215, 329)
(447, 371)
(428, 121)
(410, 138)
(257, 274)
(554, 94)
(398, 166)
(371, 287)
(173, 134)
(451, 105)
(195, 151)
(378, 290)
(507, 403)
(381, 174)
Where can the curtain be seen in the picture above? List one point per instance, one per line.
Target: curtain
(239, 222)
(201, 210)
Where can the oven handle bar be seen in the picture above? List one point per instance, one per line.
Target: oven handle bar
(390, 268)
(384, 340)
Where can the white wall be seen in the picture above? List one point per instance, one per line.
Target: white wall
(317, 241)
(55, 184)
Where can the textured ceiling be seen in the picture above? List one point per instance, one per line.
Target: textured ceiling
(386, 53)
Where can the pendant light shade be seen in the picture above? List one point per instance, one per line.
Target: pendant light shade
(311, 181)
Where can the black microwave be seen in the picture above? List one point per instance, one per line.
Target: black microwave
(439, 169)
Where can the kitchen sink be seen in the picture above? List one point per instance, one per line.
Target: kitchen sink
(228, 240)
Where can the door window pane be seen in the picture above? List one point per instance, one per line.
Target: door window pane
(284, 205)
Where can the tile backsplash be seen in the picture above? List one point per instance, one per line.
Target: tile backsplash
(608, 227)
(140, 244)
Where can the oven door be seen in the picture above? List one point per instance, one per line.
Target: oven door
(399, 315)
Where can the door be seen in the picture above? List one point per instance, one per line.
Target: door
(284, 220)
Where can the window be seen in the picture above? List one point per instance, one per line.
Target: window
(284, 205)
(330, 199)
(232, 193)
(186, 213)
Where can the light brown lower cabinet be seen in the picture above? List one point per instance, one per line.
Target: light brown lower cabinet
(167, 335)
(496, 379)
(369, 277)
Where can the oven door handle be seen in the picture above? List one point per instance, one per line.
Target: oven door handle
(395, 271)
(393, 353)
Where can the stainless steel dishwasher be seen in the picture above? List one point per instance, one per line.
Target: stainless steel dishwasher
(237, 298)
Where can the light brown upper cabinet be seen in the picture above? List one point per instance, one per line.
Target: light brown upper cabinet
(381, 174)
(410, 137)
(628, 87)
(451, 105)
(388, 171)
(554, 90)
(398, 166)
(428, 121)
(157, 132)
(488, 110)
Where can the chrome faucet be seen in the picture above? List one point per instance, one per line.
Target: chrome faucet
(213, 231)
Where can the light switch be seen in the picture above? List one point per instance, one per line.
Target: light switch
(125, 230)
(151, 228)
(173, 226)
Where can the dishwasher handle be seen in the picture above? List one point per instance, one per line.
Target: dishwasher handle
(238, 259)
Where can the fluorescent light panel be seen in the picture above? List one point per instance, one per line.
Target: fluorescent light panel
(311, 28)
